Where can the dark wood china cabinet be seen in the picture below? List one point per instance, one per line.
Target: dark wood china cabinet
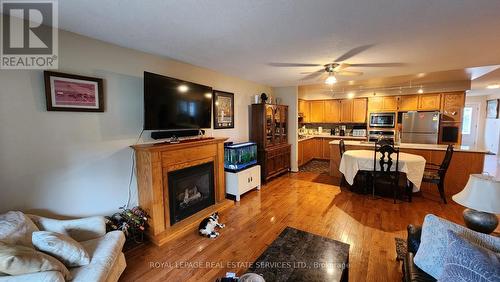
(269, 129)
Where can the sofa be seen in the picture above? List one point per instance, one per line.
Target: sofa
(411, 272)
(107, 261)
(447, 251)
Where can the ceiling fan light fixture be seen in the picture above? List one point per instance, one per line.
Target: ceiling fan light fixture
(420, 91)
(330, 80)
(493, 86)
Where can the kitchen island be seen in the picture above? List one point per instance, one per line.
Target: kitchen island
(465, 161)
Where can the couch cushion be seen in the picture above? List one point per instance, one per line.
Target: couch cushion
(62, 247)
(81, 229)
(103, 252)
(466, 261)
(433, 248)
(17, 259)
(16, 228)
(45, 276)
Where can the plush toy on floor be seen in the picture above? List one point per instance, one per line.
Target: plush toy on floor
(208, 225)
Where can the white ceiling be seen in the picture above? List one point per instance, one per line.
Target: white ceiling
(242, 37)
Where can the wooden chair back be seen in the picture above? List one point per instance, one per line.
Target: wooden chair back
(446, 161)
(341, 147)
(386, 159)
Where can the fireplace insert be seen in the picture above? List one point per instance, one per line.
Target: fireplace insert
(190, 190)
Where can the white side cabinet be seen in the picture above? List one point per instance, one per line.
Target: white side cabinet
(238, 183)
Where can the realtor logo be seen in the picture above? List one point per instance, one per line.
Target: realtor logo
(29, 38)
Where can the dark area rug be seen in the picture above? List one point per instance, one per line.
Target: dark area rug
(297, 255)
(316, 166)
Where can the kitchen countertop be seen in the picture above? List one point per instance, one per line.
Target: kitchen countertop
(324, 135)
(433, 147)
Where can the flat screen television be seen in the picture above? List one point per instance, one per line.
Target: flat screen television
(171, 103)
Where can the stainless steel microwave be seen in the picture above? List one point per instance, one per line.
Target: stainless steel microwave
(387, 120)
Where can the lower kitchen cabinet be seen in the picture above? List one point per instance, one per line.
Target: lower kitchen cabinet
(314, 148)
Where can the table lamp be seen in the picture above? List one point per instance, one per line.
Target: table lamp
(481, 197)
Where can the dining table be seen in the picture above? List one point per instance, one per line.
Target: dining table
(355, 160)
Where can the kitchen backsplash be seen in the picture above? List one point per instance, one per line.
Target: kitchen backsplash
(328, 126)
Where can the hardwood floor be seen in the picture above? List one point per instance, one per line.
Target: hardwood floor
(303, 200)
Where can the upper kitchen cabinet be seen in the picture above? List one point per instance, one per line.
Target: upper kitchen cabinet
(359, 110)
(346, 107)
(332, 111)
(429, 102)
(379, 104)
(390, 103)
(408, 102)
(452, 105)
(317, 111)
(304, 110)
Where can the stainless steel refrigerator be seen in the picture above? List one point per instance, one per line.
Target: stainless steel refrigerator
(420, 127)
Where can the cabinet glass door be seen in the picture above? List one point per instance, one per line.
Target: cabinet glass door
(284, 125)
(269, 125)
(277, 125)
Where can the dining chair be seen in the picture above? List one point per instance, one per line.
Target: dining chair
(388, 169)
(385, 141)
(435, 173)
(342, 151)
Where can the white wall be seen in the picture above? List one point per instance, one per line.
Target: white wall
(289, 96)
(492, 130)
(488, 129)
(78, 164)
(481, 100)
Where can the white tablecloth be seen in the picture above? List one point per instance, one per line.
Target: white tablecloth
(354, 160)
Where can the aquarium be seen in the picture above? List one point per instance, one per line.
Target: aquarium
(240, 156)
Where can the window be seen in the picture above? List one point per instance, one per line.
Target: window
(467, 121)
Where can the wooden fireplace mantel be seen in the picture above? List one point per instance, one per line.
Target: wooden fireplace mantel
(154, 161)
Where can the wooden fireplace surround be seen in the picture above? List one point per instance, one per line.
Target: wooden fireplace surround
(155, 161)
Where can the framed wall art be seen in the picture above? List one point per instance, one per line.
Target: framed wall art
(73, 93)
(492, 108)
(223, 109)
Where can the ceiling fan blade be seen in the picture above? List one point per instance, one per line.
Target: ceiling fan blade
(379, 65)
(293, 65)
(353, 52)
(341, 66)
(348, 73)
(314, 74)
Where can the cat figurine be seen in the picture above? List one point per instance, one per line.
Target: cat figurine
(208, 225)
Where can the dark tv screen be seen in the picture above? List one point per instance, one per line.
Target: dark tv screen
(171, 103)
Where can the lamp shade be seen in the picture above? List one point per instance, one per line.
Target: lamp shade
(482, 193)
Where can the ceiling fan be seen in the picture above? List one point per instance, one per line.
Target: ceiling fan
(337, 67)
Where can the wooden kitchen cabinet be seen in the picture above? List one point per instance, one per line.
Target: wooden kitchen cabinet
(387, 103)
(390, 103)
(375, 104)
(359, 110)
(304, 109)
(300, 153)
(317, 148)
(408, 103)
(326, 148)
(428, 102)
(452, 105)
(317, 111)
(346, 107)
(332, 111)
(307, 150)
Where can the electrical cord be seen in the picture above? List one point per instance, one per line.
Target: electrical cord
(132, 172)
